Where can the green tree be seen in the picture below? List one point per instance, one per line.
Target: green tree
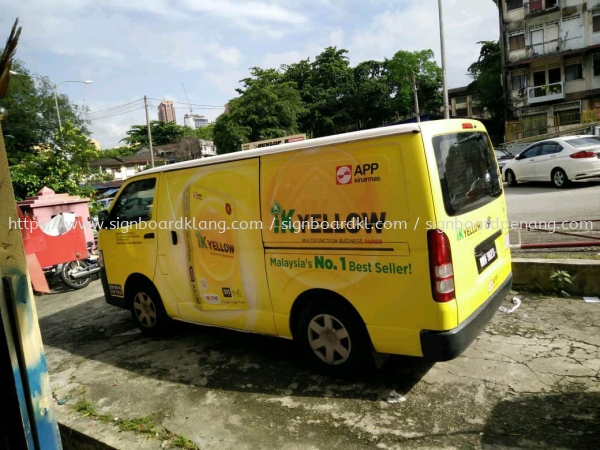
(268, 107)
(329, 94)
(371, 102)
(118, 151)
(32, 119)
(228, 134)
(205, 133)
(62, 165)
(487, 86)
(162, 133)
(428, 76)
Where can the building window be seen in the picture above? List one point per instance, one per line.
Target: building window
(596, 23)
(539, 78)
(554, 75)
(516, 42)
(461, 113)
(461, 100)
(573, 71)
(568, 114)
(477, 112)
(519, 82)
(513, 4)
(596, 64)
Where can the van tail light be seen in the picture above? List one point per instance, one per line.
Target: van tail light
(467, 126)
(440, 266)
(583, 154)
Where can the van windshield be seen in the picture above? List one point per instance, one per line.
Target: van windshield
(468, 171)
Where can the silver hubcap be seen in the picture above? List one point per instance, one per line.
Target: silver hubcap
(144, 309)
(510, 177)
(329, 339)
(559, 178)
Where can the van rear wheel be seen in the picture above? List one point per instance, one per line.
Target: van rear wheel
(147, 310)
(333, 339)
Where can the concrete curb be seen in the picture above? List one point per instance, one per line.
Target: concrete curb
(533, 274)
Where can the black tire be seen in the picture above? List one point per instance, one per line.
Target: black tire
(147, 309)
(559, 178)
(73, 267)
(510, 178)
(359, 358)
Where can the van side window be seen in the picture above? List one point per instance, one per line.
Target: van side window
(135, 202)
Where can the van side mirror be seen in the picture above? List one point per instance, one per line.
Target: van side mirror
(103, 219)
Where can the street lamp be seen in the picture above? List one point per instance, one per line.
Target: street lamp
(445, 87)
(54, 89)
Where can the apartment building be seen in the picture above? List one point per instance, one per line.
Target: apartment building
(166, 112)
(463, 104)
(551, 63)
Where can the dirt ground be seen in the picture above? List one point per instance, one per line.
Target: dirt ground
(530, 380)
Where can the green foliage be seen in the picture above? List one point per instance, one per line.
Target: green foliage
(118, 151)
(149, 425)
(561, 281)
(205, 133)
(32, 119)
(328, 96)
(228, 134)
(61, 165)
(487, 85)
(428, 76)
(162, 133)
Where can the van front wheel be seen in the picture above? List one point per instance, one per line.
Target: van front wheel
(334, 339)
(147, 310)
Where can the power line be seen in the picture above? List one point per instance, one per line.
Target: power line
(113, 107)
(183, 103)
(108, 116)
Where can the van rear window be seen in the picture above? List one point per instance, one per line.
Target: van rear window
(468, 171)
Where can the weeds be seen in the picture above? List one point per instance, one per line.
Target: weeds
(147, 425)
(561, 279)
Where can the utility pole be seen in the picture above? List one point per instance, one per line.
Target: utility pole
(149, 132)
(446, 109)
(415, 89)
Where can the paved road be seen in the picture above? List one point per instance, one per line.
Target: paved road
(540, 201)
(530, 380)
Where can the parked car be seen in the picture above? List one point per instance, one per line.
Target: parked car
(103, 203)
(502, 156)
(558, 160)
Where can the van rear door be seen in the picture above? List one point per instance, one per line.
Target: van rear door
(471, 210)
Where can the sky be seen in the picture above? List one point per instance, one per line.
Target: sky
(158, 48)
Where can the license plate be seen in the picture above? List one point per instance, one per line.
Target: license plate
(485, 255)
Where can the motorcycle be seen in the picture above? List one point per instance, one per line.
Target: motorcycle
(76, 274)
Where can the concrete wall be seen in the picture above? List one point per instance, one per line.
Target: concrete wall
(533, 274)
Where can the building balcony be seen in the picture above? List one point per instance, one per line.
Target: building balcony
(534, 8)
(547, 93)
(544, 48)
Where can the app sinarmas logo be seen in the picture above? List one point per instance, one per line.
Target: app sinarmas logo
(343, 174)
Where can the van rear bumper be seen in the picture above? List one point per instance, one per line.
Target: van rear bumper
(447, 345)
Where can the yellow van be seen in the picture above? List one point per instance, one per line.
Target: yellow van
(384, 241)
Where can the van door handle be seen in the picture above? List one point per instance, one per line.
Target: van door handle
(149, 236)
(174, 237)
